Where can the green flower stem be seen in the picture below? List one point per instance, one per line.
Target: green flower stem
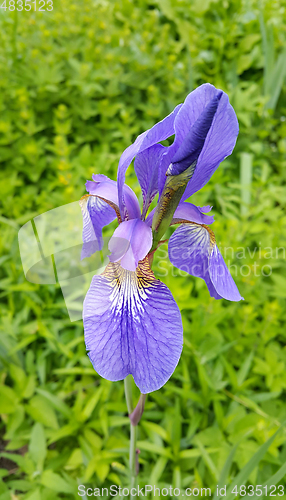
(135, 416)
(133, 431)
(128, 393)
(132, 456)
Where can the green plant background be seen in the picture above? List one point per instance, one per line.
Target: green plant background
(77, 85)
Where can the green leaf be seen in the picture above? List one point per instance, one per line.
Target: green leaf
(245, 472)
(196, 452)
(34, 495)
(244, 369)
(245, 180)
(65, 431)
(75, 460)
(225, 470)
(277, 80)
(116, 421)
(275, 478)
(207, 459)
(158, 469)
(176, 428)
(151, 426)
(8, 399)
(153, 448)
(41, 411)
(37, 446)
(55, 482)
(90, 405)
(56, 402)
(74, 371)
(102, 471)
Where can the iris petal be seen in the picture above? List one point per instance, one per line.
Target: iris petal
(221, 277)
(190, 212)
(221, 137)
(132, 325)
(161, 131)
(146, 166)
(107, 188)
(192, 248)
(193, 143)
(187, 211)
(96, 214)
(138, 235)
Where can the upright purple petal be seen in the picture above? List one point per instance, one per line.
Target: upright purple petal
(220, 139)
(192, 248)
(146, 166)
(190, 212)
(161, 131)
(132, 325)
(96, 214)
(193, 142)
(139, 236)
(107, 188)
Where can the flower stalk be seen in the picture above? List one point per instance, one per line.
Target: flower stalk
(135, 417)
(132, 445)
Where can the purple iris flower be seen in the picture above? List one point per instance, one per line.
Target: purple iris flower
(132, 323)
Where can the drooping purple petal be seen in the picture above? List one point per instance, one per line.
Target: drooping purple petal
(132, 325)
(161, 131)
(189, 249)
(221, 277)
(146, 166)
(190, 212)
(192, 248)
(96, 214)
(107, 188)
(139, 236)
(192, 145)
(220, 139)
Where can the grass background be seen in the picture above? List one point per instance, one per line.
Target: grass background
(77, 85)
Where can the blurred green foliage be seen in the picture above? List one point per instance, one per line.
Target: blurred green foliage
(77, 85)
